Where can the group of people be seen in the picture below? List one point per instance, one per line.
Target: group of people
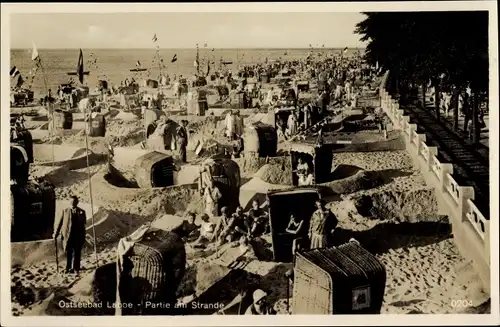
(321, 229)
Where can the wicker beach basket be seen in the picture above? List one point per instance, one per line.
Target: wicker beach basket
(33, 211)
(342, 280)
(152, 271)
(154, 169)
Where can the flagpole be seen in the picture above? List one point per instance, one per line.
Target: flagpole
(197, 60)
(80, 70)
(51, 111)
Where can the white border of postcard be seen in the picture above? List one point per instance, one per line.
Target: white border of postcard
(9, 320)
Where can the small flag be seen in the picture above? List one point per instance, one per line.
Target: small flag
(196, 63)
(155, 38)
(34, 54)
(20, 81)
(138, 63)
(174, 58)
(345, 50)
(14, 72)
(79, 68)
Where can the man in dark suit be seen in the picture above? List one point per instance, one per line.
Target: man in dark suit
(71, 227)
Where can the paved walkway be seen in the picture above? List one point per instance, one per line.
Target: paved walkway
(470, 162)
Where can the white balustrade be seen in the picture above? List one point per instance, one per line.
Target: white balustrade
(414, 135)
(478, 221)
(463, 196)
(423, 149)
(452, 187)
(436, 166)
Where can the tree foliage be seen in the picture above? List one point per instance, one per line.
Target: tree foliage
(421, 46)
(449, 49)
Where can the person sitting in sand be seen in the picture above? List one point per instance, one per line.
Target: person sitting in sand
(260, 306)
(246, 253)
(187, 227)
(207, 231)
(295, 228)
(236, 227)
(238, 147)
(281, 129)
(258, 219)
(304, 173)
(222, 225)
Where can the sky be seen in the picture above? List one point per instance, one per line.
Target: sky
(184, 30)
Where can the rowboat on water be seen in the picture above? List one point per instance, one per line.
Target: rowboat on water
(138, 70)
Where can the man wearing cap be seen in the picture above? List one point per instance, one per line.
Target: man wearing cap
(71, 227)
(260, 306)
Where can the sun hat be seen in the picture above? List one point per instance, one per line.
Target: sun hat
(258, 295)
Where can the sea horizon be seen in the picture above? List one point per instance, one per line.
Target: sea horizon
(194, 48)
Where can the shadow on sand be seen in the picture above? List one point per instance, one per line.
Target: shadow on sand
(386, 236)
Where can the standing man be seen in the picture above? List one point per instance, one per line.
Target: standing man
(182, 140)
(323, 223)
(71, 227)
(238, 124)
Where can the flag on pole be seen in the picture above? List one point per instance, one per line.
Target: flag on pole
(345, 50)
(34, 54)
(79, 68)
(174, 58)
(155, 38)
(20, 81)
(14, 72)
(138, 63)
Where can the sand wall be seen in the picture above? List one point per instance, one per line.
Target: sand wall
(62, 155)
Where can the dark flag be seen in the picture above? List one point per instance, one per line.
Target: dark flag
(20, 81)
(14, 72)
(174, 58)
(155, 38)
(79, 68)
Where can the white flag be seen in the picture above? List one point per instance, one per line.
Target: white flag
(34, 55)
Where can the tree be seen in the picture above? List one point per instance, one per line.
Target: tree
(450, 49)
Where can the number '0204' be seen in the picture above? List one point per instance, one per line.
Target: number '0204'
(461, 303)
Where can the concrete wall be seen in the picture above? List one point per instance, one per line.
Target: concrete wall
(471, 229)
